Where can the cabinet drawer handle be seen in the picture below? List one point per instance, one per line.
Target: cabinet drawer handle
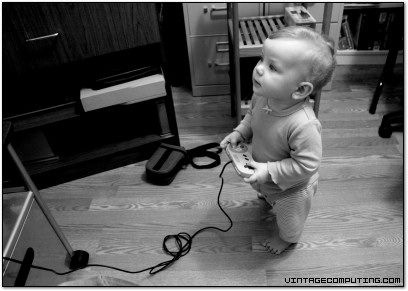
(43, 37)
(221, 64)
(220, 50)
(215, 64)
(214, 8)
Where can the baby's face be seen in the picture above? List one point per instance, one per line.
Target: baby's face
(282, 67)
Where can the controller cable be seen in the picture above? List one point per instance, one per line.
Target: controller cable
(183, 242)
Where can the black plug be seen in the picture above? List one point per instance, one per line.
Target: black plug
(79, 260)
(25, 268)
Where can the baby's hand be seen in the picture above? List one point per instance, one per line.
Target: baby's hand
(261, 174)
(233, 138)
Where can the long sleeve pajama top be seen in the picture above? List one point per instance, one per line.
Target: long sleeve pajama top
(289, 141)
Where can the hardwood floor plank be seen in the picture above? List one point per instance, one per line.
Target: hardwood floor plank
(81, 189)
(80, 204)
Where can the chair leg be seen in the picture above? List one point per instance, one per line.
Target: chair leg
(396, 36)
(390, 123)
(37, 196)
(388, 68)
(78, 258)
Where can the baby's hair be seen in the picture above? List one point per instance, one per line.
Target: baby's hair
(322, 61)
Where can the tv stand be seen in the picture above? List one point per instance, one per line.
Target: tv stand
(55, 138)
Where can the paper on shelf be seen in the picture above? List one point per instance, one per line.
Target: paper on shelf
(126, 93)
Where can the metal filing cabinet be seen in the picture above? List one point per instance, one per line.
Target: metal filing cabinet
(207, 41)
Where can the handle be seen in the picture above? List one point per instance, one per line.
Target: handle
(50, 36)
(221, 64)
(219, 50)
(216, 64)
(214, 8)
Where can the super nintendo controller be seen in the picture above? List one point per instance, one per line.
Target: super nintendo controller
(240, 157)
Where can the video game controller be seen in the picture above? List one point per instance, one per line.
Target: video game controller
(240, 157)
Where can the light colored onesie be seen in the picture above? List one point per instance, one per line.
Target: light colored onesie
(289, 141)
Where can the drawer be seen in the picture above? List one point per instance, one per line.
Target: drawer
(206, 18)
(42, 35)
(210, 60)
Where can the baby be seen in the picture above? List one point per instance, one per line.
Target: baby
(296, 62)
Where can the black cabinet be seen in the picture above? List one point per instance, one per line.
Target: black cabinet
(44, 72)
(40, 35)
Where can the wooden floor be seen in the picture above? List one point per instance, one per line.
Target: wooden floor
(354, 230)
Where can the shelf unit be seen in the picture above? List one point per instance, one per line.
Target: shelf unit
(55, 138)
(82, 144)
(366, 57)
(250, 44)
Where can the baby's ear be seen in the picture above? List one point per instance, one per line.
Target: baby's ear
(304, 90)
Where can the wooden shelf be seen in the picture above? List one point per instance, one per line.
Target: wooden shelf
(89, 142)
(43, 117)
(355, 57)
(92, 154)
(92, 161)
(365, 52)
(359, 6)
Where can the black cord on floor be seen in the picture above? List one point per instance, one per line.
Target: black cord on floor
(183, 242)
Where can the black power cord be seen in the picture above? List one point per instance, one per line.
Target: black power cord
(183, 242)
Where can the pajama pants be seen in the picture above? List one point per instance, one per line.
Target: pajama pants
(291, 212)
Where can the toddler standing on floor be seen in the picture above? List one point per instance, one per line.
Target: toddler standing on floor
(296, 62)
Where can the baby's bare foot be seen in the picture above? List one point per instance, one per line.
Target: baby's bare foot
(275, 245)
